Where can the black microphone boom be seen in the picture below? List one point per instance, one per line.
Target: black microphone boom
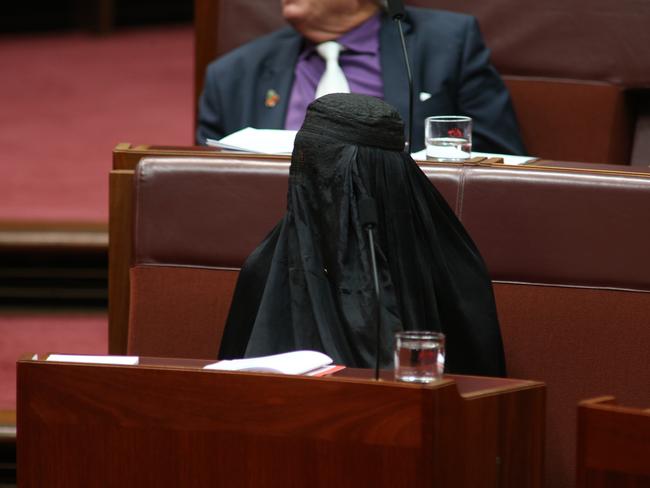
(368, 219)
(396, 9)
(396, 12)
(368, 213)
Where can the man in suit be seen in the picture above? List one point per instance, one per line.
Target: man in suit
(269, 82)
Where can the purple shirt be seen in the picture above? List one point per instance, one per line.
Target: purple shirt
(359, 61)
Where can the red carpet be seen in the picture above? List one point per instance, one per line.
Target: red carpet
(67, 99)
(85, 333)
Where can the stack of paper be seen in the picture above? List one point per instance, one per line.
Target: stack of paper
(86, 359)
(297, 362)
(262, 141)
(277, 141)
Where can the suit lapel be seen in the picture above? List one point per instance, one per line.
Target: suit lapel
(392, 64)
(273, 88)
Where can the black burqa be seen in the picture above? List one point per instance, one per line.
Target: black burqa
(309, 284)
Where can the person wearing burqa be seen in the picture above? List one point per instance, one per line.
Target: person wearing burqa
(309, 283)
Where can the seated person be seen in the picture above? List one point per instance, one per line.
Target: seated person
(268, 83)
(309, 284)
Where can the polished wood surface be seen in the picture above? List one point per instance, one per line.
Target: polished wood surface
(168, 423)
(126, 156)
(120, 225)
(613, 445)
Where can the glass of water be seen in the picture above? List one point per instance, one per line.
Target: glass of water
(419, 356)
(448, 138)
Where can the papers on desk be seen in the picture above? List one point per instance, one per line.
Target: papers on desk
(507, 158)
(86, 359)
(277, 141)
(310, 363)
(262, 141)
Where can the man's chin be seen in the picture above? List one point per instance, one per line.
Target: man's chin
(299, 24)
(293, 11)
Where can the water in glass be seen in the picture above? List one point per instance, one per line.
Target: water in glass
(419, 360)
(448, 148)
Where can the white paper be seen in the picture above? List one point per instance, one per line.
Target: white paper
(296, 362)
(507, 158)
(83, 358)
(278, 141)
(262, 141)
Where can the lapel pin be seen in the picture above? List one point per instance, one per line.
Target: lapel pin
(272, 98)
(424, 96)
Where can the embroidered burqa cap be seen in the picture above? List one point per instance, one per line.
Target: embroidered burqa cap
(309, 283)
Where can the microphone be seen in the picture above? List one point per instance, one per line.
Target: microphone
(396, 11)
(368, 219)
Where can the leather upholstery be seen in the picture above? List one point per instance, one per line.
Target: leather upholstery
(220, 237)
(573, 120)
(567, 219)
(580, 39)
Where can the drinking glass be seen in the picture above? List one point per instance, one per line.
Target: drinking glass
(448, 138)
(419, 356)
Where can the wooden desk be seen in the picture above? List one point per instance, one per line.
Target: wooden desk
(169, 423)
(613, 445)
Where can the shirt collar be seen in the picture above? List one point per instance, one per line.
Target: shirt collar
(364, 38)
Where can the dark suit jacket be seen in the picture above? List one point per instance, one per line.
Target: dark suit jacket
(448, 58)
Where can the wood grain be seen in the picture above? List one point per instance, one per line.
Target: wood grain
(120, 229)
(613, 445)
(91, 425)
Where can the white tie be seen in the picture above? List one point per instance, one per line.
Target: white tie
(333, 79)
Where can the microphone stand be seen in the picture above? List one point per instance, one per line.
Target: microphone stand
(368, 218)
(397, 12)
(410, 81)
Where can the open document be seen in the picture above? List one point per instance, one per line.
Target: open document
(310, 363)
(263, 141)
(278, 141)
(88, 359)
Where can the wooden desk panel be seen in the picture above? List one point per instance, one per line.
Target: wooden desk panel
(168, 423)
(613, 445)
